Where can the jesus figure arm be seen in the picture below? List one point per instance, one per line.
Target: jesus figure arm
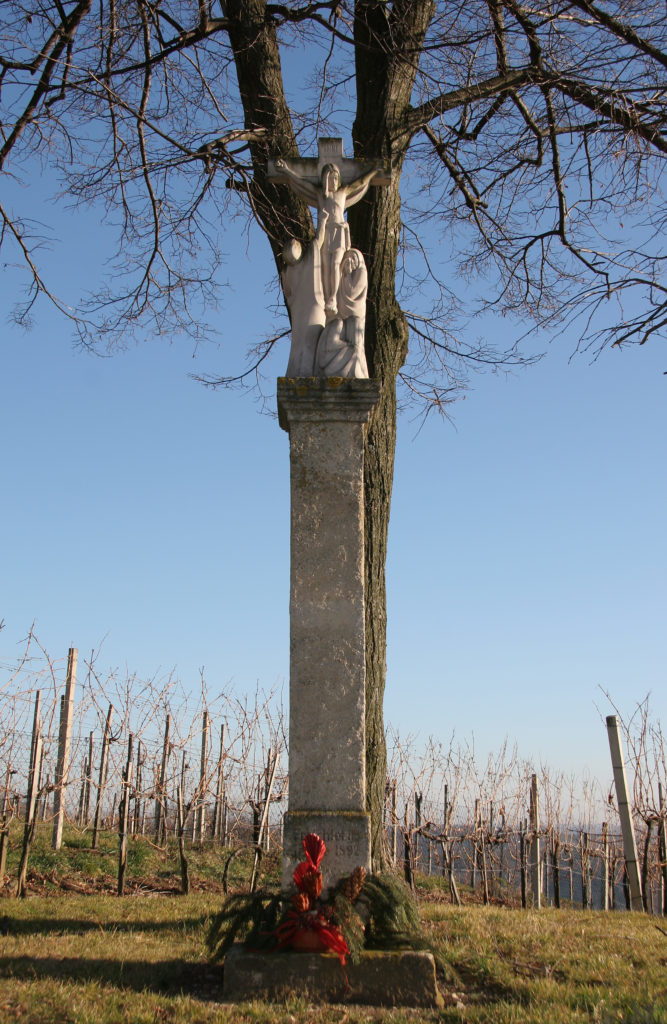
(299, 185)
(358, 188)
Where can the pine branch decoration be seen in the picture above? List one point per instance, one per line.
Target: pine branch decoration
(392, 914)
(250, 916)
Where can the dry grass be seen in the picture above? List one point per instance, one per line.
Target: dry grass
(554, 966)
(73, 959)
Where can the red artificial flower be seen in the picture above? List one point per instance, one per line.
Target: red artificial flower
(314, 848)
(308, 879)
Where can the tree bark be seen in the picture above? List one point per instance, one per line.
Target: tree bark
(384, 86)
(254, 42)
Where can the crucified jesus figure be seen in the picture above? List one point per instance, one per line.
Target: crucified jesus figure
(333, 198)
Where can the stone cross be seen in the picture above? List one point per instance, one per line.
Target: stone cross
(329, 151)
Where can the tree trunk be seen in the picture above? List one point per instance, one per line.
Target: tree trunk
(378, 476)
(254, 41)
(384, 87)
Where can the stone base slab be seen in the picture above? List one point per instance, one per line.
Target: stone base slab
(347, 835)
(405, 978)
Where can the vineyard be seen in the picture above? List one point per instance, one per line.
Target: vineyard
(92, 755)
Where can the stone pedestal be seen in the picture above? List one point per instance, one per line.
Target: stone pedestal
(378, 979)
(326, 421)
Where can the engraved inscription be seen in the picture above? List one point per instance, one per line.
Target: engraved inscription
(346, 839)
(342, 843)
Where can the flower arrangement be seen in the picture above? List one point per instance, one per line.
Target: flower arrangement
(311, 923)
(362, 911)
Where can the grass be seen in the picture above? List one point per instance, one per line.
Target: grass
(553, 966)
(102, 959)
(98, 959)
(76, 865)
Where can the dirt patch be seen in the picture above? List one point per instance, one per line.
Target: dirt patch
(475, 899)
(46, 883)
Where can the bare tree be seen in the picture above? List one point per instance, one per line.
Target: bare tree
(531, 132)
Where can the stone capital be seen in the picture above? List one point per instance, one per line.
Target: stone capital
(326, 398)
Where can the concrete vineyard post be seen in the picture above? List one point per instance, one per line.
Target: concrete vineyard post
(64, 741)
(625, 813)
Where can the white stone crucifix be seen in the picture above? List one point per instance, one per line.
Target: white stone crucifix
(325, 287)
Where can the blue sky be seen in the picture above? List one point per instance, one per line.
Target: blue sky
(528, 554)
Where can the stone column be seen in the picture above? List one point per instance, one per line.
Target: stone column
(326, 420)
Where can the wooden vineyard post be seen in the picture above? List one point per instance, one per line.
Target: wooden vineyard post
(226, 831)
(616, 859)
(390, 825)
(535, 844)
(199, 825)
(386, 811)
(448, 866)
(43, 788)
(124, 816)
(445, 811)
(216, 828)
(482, 860)
(605, 865)
(82, 793)
(545, 871)
(161, 797)
(31, 795)
(416, 859)
(263, 825)
(613, 861)
(4, 826)
(625, 813)
(445, 834)
(184, 768)
(4, 842)
(136, 818)
(555, 868)
(64, 741)
(646, 888)
(185, 876)
(104, 760)
(88, 783)
(502, 848)
(394, 827)
(265, 833)
(662, 850)
(585, 860)
(522, 862)
(473, 865)
(408, 873)
(5, 796)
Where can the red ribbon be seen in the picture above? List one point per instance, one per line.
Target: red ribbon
(330, 936)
